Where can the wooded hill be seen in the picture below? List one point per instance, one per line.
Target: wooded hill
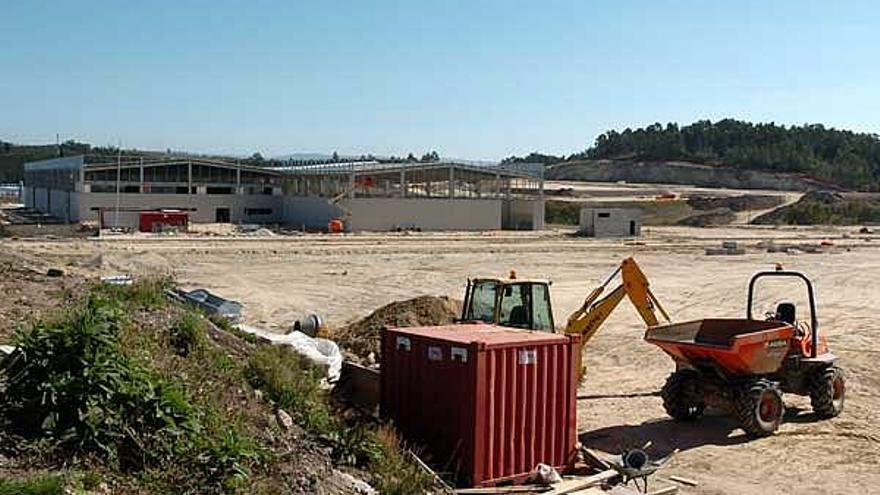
(842, 157)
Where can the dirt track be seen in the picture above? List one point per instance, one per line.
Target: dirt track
(344, 278)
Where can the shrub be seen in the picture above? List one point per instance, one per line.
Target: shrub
(187, 334)
(69, 383)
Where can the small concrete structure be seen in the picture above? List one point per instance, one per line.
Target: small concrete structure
(610, 222)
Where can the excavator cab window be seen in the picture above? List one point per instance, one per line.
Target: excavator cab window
(482, 302)
(516, 306)
(542, 314)
(511, 304)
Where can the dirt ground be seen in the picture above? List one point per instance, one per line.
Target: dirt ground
(346, 277)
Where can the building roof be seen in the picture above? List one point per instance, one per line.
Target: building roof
(367, 167)
(153, 162)
(62, 163)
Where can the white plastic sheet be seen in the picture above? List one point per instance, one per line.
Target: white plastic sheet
(322, 352)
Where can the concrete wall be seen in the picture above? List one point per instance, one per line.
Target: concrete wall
(309, 212)
(41, 199)
(383, 214)
(202, 207)
(62, 205)
(610, 222)
(523, 214)
(28, 197)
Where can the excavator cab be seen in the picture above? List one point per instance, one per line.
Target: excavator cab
(509, 302)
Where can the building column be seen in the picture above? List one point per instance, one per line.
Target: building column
(451, 182)
(141, 185)
(402, 183)
(189, 177)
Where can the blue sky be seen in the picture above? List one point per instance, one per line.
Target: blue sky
(470, 79)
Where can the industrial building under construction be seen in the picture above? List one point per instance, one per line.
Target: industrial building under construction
(364, 195)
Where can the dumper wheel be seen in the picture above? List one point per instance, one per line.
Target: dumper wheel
(683, 396)
(827, 392)
(759, 408)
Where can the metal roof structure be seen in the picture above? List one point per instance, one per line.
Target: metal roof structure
(376, 167)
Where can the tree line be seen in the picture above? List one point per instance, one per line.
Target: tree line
(843, 157)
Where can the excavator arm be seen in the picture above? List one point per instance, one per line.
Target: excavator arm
(587, 319)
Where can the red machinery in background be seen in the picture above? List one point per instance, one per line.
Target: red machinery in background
(163, 220)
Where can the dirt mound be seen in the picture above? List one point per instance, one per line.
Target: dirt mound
(361, 337)
(826, 208)
(718, 216)
(735, 203)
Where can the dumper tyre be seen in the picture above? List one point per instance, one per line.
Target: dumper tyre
(683, 395)
(759, 408)
(827, 392)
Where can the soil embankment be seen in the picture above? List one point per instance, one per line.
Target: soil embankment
(680, 173)
(826, 208)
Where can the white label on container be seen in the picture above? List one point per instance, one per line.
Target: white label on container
(435, 353)
(460, 353)
(528, 357)
(403, 343)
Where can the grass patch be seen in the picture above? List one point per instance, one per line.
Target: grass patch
(394, 472)
(188, 334)
(142, 295)
(43, 485)
(291, 382)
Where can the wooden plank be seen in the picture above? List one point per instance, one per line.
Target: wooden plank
(499, 490)
(683, 480)
(594, 458)
(570, 486)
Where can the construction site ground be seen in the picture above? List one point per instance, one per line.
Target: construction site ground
(346, 277)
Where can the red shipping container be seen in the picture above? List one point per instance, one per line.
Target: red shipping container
(487, 403)
(156, 221)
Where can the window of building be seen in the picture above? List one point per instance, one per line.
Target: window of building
(218, 190)
(103, 188)
(257, 211)
(604, 214)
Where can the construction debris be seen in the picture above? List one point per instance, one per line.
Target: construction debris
(117, 280)
(322, 352)
(283, 419)
(546, 474)
(727, 248)
(213, 304)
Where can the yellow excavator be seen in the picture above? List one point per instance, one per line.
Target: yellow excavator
(522, 303)
(525, 303)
